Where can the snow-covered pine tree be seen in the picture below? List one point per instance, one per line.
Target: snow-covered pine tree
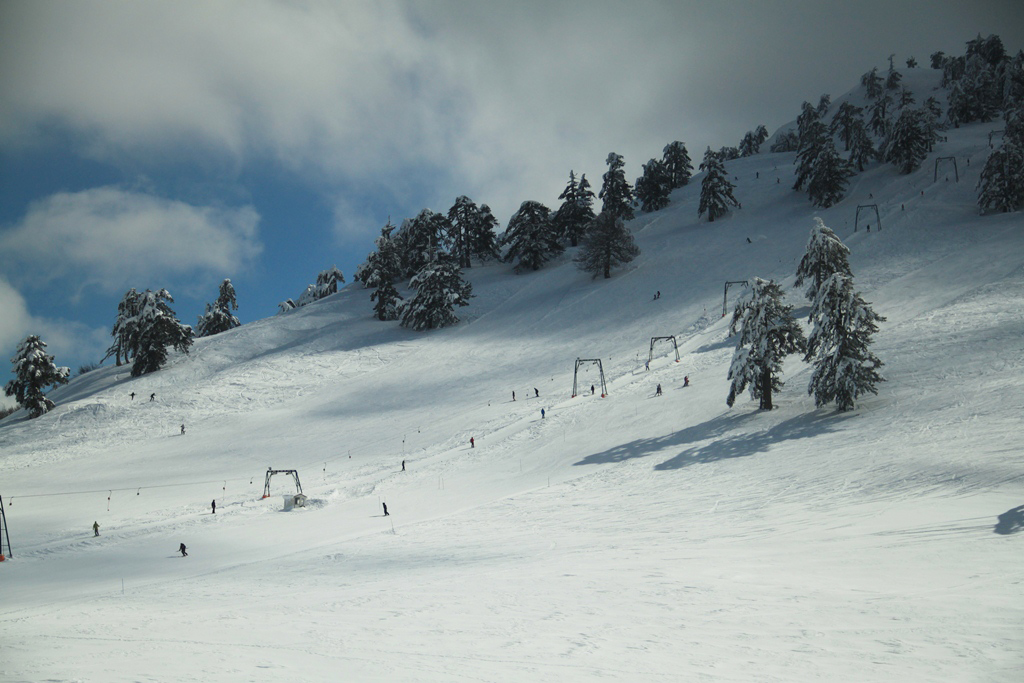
(218, 317)
(576, 212)
(812, 140)
(907, 145)
(872, 83)
(786, 141)
(125, 329)
(892, 79)
(843, 123)
(379, 271)
(824, 256)
(472, 231)
(653, 187)
(767, 334)
(830, 174)
(862, 149)
(530, 237)
(879, 121)
(608, 244)
(715, 189)
(906, 98)
(158, 328)
(420, 238)
(34, 371)
(483, 241)
(728, 153)
(752, 141)
(326, 284)
(615, 190)
(839, 345)
(677, 163)
(1001, 185)
(439, 289)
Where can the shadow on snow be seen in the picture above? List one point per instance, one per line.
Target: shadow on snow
(719, 448)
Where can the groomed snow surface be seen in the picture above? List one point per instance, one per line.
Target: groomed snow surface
(632, 537)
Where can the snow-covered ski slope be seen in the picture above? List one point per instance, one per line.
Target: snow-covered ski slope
(632, 537)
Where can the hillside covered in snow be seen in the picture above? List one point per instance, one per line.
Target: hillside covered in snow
(625, 537)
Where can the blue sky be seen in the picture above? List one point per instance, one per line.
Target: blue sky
(174, 144)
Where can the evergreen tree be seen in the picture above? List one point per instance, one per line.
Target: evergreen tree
(677, 164)
(158, 328)
(381, 269)
(907, 145)
(420, 238)
(472, 231)
(767, 334)
(752, 141)
(786, 141)
(843, 325)
(829, 176)
(1001, 185)
(530, 237)
(872, 83)
(911, 63)
(728, 153)
(824, 256)
(483, 241)
(34, 371)
(615, 190)
(608, 244)
(575, 213)
(439, 289)
(862, 149)
(879, 121)
(715, 189)
(125, 332)
(812, 141)
(938, 59)
(326, 284)
(892, 81)
(843, 123)
(653, 187)
(218, 317)
(906, 97)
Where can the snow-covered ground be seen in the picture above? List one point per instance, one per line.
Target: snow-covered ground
(631, 537)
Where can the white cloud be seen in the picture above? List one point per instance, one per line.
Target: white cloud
(113, 239)
(506, 97)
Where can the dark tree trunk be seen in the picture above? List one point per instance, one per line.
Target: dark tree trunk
(766, 389)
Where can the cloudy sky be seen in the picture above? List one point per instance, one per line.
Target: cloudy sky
(173, 144)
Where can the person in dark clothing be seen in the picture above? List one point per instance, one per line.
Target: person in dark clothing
(181, 549)
(403, 466)
(96, 528)
(152, 397)
(536, 394)
(658, 391)
(591, 389)
(132, 395)
(542, 413)
(182, 428)
(513, 395)
(385, 509)
(213, 507)
(472, 442)
(686, 381)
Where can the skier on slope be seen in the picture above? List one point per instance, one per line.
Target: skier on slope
(96, 528)
(181, 549)
(386, 514)
(658, 391)
(213, 507)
